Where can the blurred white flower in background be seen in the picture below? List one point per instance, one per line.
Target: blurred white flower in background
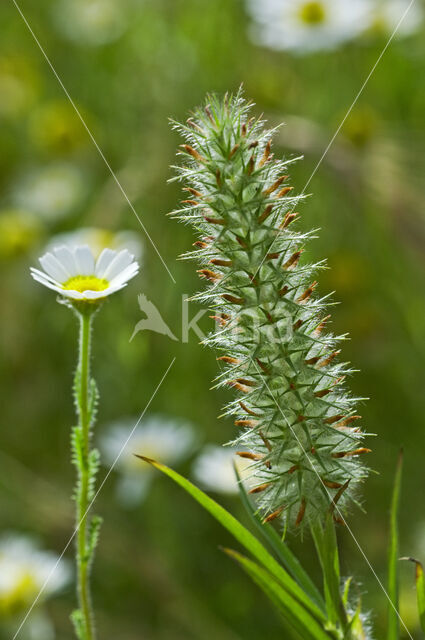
(162, 438)
(98, 239)
(24, 569)
(307, 25)
(313, 25)
(386, 15)
(92, 22)
(52, 192)
(214, 469)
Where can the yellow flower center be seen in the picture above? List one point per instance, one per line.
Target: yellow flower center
(19, 596)
(86, 283)
(313, 13)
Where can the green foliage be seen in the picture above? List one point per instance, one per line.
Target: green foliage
(291, 610)
(393, 557)
(420, 592)
(368, 196)
(77, 619)
(327, 550)
(86, 461)
(93, 537)
(287, 585)
(295, 413)
(281, 550)
(93, 467)
(244, 537)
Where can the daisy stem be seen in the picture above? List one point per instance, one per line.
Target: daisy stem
(83, 490)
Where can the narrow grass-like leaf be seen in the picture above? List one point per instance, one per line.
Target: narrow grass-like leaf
(355, 629)
(244, 536)
(420, 590)
(293, 611)
(393, 557)
(280, 548)
(327, 550)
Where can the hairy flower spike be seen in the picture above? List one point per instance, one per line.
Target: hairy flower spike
(279, 357)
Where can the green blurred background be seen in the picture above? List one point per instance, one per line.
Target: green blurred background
(159, 573)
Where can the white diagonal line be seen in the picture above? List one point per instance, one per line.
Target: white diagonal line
(335, 505)
(362, 88)
(44, 585)
(83, 122)
(391, 38)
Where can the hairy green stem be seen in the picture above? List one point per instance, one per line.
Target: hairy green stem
(83, 492)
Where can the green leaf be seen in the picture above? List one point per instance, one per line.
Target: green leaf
(420, 590)
(346, 591)
(93, 467)
(77, 619)
(282, 551)
(93, 400)
(245, 537)
(297, 615)
(93, 536)
(393, 578)
(327, 550)
(356, 630)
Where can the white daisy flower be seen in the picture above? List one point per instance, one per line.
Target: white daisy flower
(386, 15)
(24, 569)
(52, 192)
(307, 25)
(77, 276)
(164, 439)
(214, 469)
(91, 22)
(98, 239)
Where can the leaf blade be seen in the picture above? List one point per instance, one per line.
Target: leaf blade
(281, 550)
(293, 612)
(393, 556)
(243, 536)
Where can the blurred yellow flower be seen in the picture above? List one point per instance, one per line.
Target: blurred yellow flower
(19, 231)
(18, 86)
(23, 571)
(56, 128)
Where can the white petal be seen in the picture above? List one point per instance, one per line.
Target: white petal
(47, 284)
(42, 274)
(71, 293)
(66, 258)
(93, 295)
(113, 288)
(126, 275)
(54, 268)
(118, 264)
(84, 260)
(96, 295)
(103, 261)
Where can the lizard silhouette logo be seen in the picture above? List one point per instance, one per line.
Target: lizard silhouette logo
(153, 321)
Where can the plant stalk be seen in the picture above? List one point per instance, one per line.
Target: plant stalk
(83, 577)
